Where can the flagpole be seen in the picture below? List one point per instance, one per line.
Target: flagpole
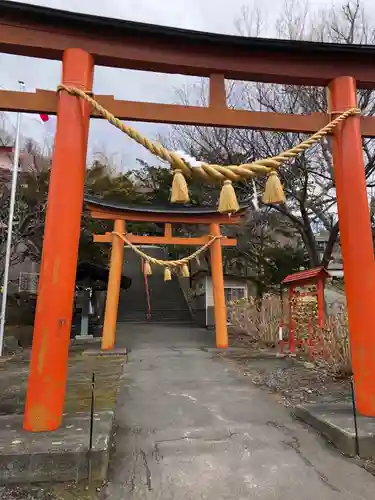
(16, 158)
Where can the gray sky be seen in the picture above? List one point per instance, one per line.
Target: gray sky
(205, 15)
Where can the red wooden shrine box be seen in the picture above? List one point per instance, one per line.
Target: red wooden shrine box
(300, 284)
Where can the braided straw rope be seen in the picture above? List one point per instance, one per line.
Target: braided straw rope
(167, 263)
(207, 172)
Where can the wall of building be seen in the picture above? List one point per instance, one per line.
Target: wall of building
(26, 269)
(202, 301)
(228, 283)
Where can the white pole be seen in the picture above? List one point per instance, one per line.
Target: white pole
(16, 158)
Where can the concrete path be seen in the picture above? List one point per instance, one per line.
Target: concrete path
(191, 426)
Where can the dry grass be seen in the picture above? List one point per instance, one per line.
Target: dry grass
(260, 320)
(336, 343)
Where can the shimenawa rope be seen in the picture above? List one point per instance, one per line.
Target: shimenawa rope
(167, 264)
(216, 173)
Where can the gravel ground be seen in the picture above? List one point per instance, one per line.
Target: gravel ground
(27, 493)
(290, 378)
(60, 491)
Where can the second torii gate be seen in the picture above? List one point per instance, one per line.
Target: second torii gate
(120, 214)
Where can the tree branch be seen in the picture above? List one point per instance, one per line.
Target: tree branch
(330, 245)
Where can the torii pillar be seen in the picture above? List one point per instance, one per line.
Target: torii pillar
(48, 368)
(218, 289)
(114, 286)
(356, 241)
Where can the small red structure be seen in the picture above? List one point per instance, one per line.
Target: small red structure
(305, 283)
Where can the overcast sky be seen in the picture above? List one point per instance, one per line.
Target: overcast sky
(205, 15)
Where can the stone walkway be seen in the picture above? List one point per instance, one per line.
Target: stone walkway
(191, 426)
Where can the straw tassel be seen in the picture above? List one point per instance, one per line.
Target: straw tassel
(167, 274)
(274, 192)
(180, 192)
(147, 270)
(228, 203)
(185, 271)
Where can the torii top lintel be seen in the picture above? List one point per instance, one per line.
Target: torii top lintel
(181, 214)
(36, 31)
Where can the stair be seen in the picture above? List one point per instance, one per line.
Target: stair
(168, 304)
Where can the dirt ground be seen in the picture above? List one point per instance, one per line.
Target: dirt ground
(289, 378)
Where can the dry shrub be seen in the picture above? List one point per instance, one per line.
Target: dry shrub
(259, 319)
(242, 314)
(269, 315)
(336, 353)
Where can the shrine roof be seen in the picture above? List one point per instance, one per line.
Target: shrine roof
(173, 209)
(308, 275)
(89, 23)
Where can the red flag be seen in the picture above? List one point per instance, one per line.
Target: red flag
(44, 118)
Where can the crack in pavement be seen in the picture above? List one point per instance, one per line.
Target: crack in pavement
(147, 469)
(156, 453)
(295, 445)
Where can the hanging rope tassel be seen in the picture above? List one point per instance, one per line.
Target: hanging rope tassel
(180, 192)
(147, 270)
(185, 271)
(274, 192)
(167, 274)
(228, 203)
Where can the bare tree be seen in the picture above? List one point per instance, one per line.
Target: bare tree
(31, 200)
(29, 215)
(308, 179)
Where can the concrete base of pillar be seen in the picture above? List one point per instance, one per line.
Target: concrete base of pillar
(61, 455)
(80, 339)
(335, 422)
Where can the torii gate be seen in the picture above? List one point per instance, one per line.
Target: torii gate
(120, 214)
(81, 41)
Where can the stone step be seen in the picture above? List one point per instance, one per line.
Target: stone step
(154, 317)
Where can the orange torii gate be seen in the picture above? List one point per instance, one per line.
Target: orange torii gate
(121, 214)
(80, 41)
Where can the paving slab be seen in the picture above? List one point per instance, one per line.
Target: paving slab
(62, 455)
(190, 425)
(335, 421)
